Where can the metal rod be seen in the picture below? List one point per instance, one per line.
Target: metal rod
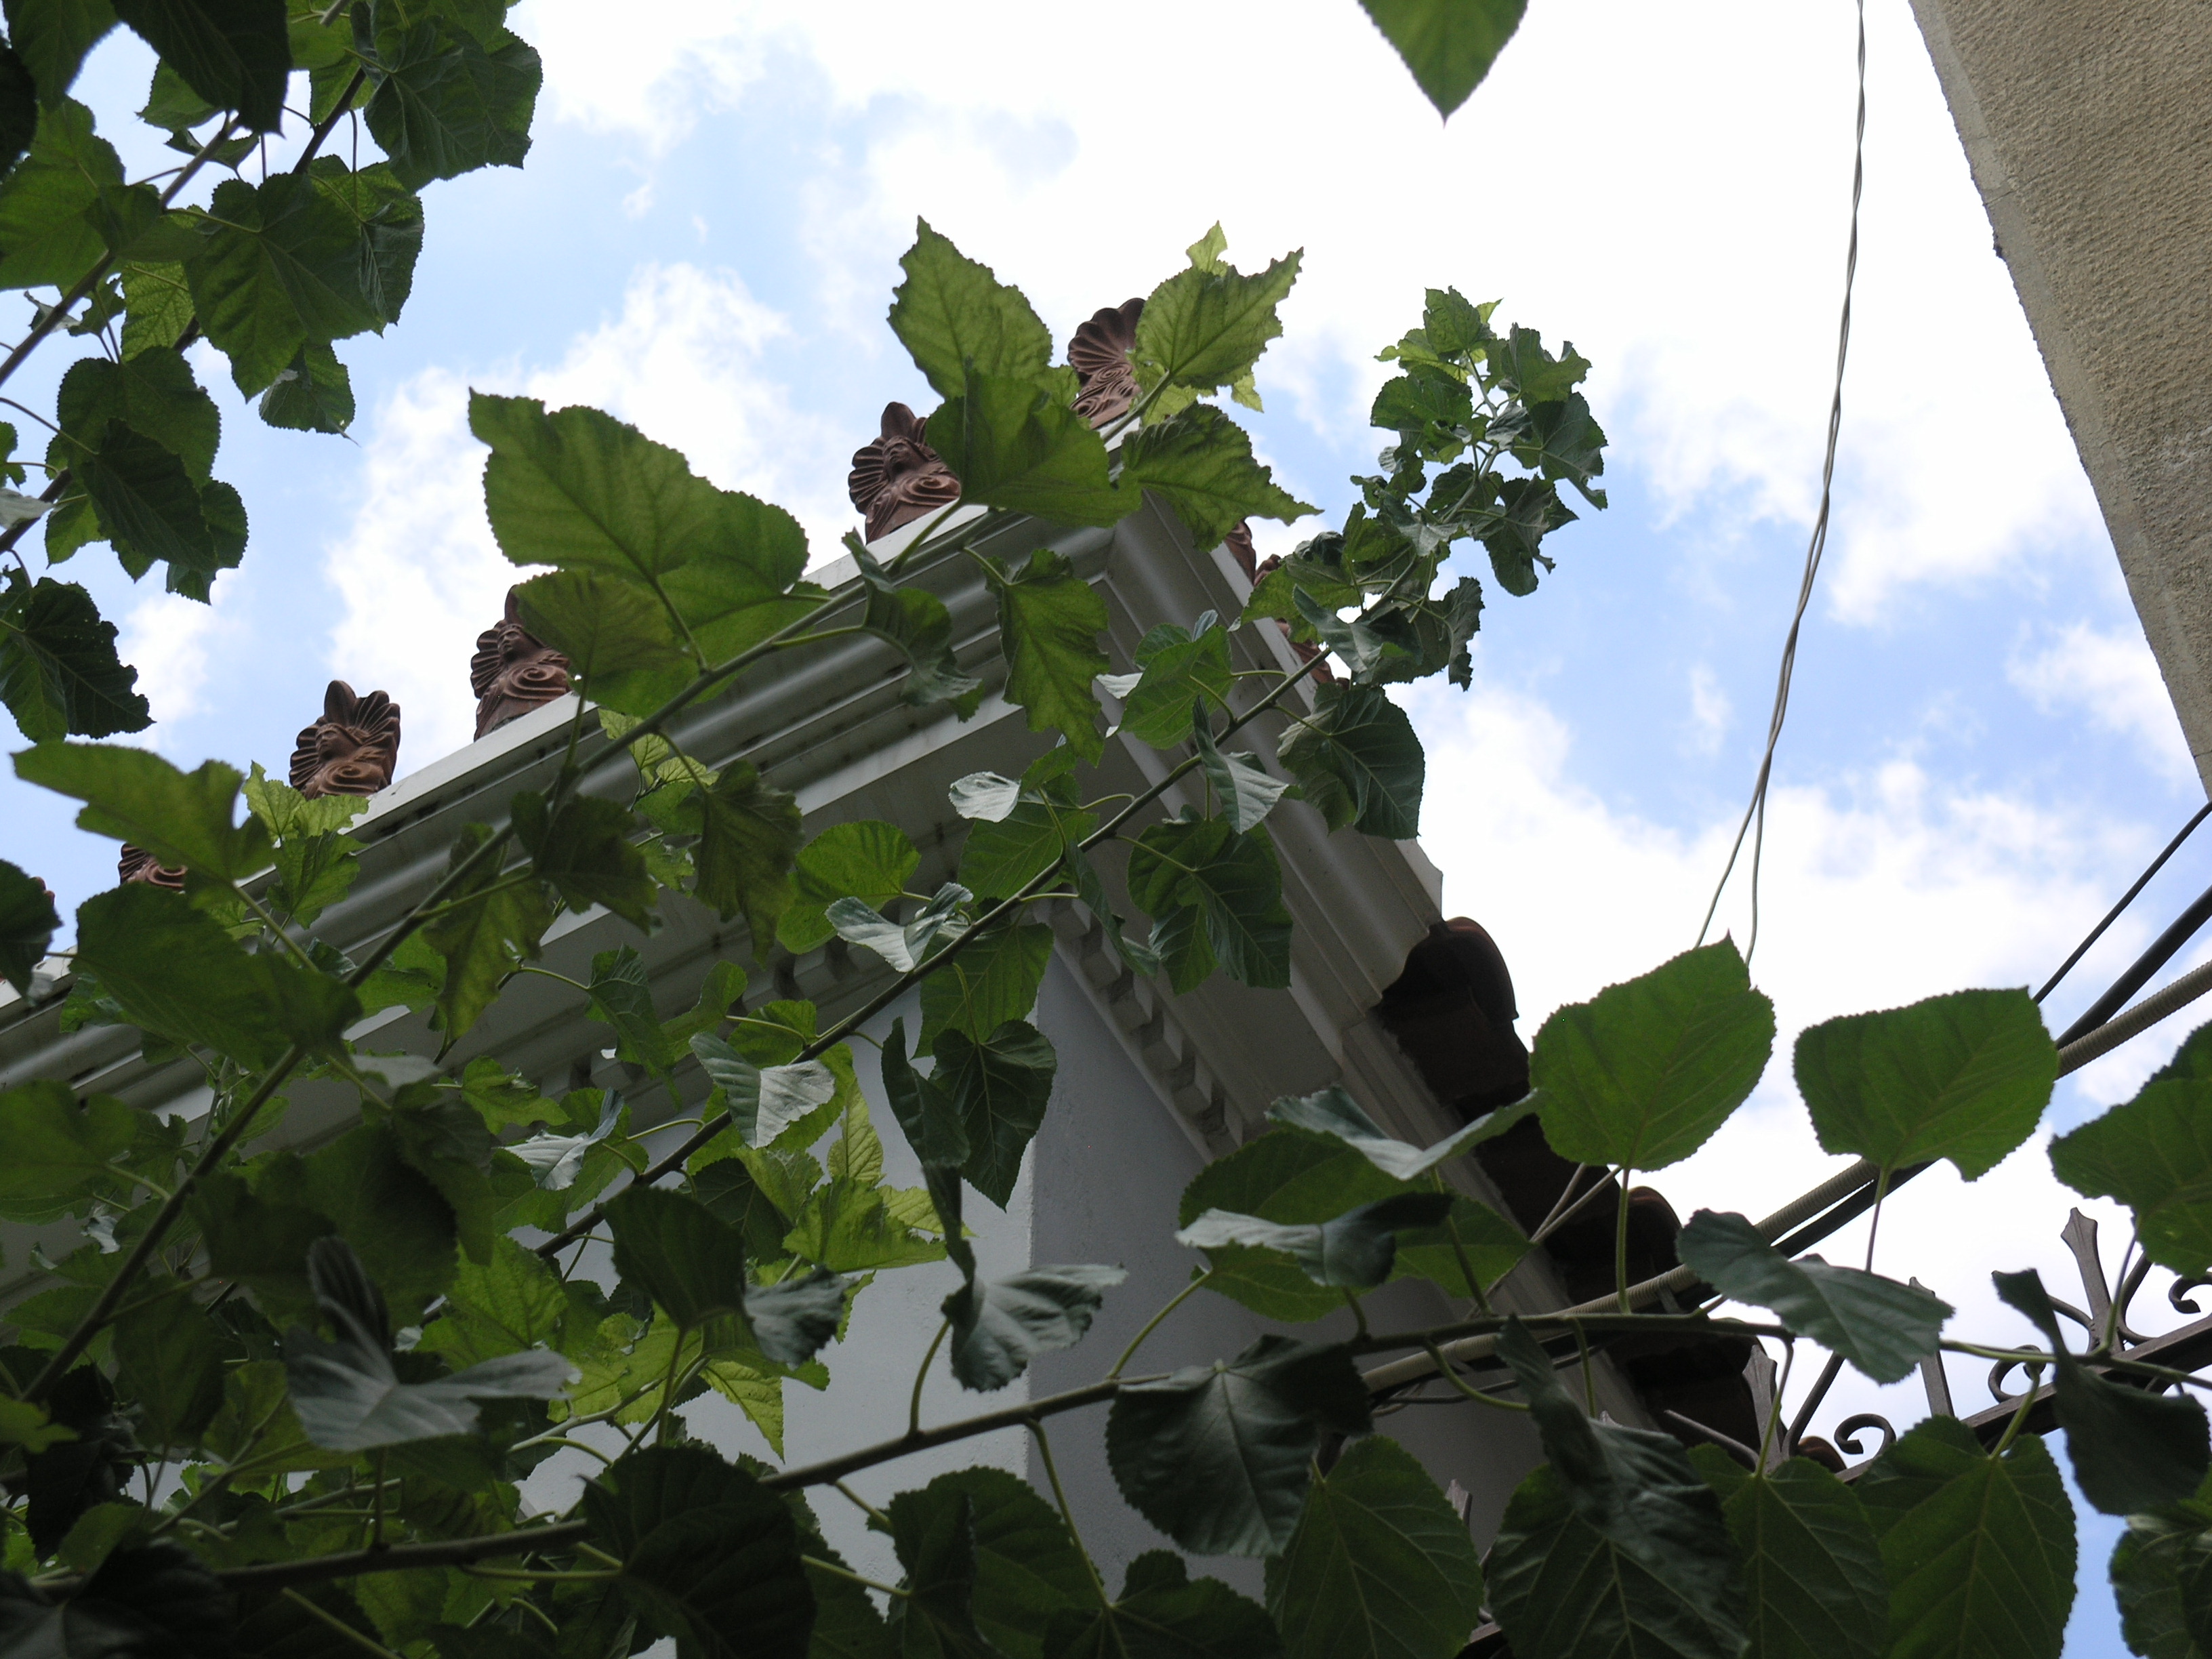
(2185, 927)
(2126, 899)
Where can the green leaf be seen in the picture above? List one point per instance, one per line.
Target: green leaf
(1000, 857)
(925, 1110)
(1246, 790)
(1354, 1251)
(622, 647)
(509, 1305)
(1026, 1566)
(282, 268)
(158, 303)
(763, 1102)
(1473, 1236)
(1289, 1176)
(585, 853)
(1979, 1550)
(236, 54)
(170, 1361)
(850, 1227)
(315, 394)
(579, 489)
(1964, 1077)
(49, 236)
(181, 817)
(1000, 1325)
(1217, 1457)
(316, 863)
(1811, 1564)
(956, 319)
(53, 37)
(59, 673)
(1163, 1614)
(392, 1214)
(1000, 1087)
(1641, 1076)
(709, 1555)
(936, 1544)
(1381, 1565)
(387, 222)
(1520, 363)
(2162, 1576)
(176, 972)
(2132, 1450)
(1449, 45)
(1205, 327)
(1049, 620)
(2153, 1155)
(1014, 445)
(749, 840)
(60, 1156)
(444, 105)
(992, 980)
(1230, 883)
(1615, 1546)
(258, 1242)
(347, 1393)
(1359, 761)
(488, 929)
(150, 506)
(916, 622)
(1334, 1112)
(693, 1265)
(870, 861)
(1200, 464)
(154, 393)
(1883, 1328)
(1174, 670)
(29, 922)
(935, 923)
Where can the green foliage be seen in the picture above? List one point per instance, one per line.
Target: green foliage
(1353, 1251)
(1883, 1328)
(1380, 1565)
(61, 1155)
(1163, 1613)
(870, 861)
(1812, 1569)
(1642, 1075)
(1615, 1541)
(1979, 1550)
(1049, 620)
(182, 817)
(1200, 463)
(1205, 327)
(1175, 668)
(58, 669)
(1217, 1457)
(27, 924)
(2132, 1450)
(235, 54)
(1449, 45)
(1359, 761)
(957, 319)
(2153, 1155)
(1216, 898)
(1963, 1077)
(2161, 1574)
(445, 102)
(1334, 1112)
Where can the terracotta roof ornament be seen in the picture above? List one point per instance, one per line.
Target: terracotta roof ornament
(352, 750)
(137, 863)
(898, 477)
(514, 671)
(1098, 352)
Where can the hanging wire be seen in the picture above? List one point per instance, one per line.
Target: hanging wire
(2126, 899)
(1755, 817)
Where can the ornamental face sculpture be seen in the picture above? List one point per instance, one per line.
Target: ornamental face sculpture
(514, 671)
(898, 477)
(1098, 352)
(137, 863)
(352, 749)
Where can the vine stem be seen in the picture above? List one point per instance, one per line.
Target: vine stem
(1153, 1323)
(366, 1643)
(1620, 1244)
(1066, 1513)
(921, 1376)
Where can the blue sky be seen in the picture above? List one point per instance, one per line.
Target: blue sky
(1980, 753)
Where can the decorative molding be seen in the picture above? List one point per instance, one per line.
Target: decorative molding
(137, 863)
(352, 749)
(897, 477)
(514, 671)
(1098, 352)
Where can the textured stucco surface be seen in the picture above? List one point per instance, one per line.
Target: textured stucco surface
(2089, 130)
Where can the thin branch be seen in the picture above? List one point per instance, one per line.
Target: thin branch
(399, 1558)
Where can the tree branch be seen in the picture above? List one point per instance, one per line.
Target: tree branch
(397, 1557)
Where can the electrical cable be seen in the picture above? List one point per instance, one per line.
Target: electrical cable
(1755, 814)
(2185, 927)
(2126, 899)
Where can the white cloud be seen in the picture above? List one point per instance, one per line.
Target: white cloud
(652, 78)
(166, 638)
(1701, 271)
(1711, 711)
(2111, 678)
(418, 571)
